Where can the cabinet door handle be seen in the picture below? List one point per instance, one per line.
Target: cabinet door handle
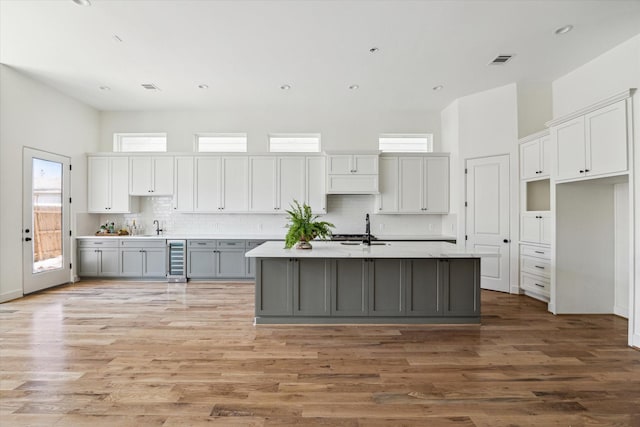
(538, 266)
(587, 170)
(539, 252)
(506, 240)
(581, 171)
(539, 285)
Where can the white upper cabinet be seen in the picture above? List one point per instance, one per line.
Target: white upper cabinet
(262, 184)
(606, 139)
(275, 182)
(414, 184)
(235, 184)
(291, 181)
(593, 144)
(352, 174)
(535, 158)
(388, 197)
(207, 184)
(108, 185)
(316, 196)
(151, 176)
(184, 196)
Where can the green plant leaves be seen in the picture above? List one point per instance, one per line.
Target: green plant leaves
(303, 225)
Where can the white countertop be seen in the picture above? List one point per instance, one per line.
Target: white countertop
(325, 249)
(258, 237)
(194, 237)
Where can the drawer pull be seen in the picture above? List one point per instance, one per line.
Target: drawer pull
(202, 243)
(539, 285)
(538, 266)
(539, 252)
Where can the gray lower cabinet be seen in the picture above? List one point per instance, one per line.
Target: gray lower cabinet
(202, 257)
(215, 259)
(407, 290)
(274, 287)
(143, 258)
(97, 258)
(386, 287)
(251, 262)
(423, 288)
(349, 287)
(311, 287)
(460, 299)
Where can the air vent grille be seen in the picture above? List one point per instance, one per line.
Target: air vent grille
(150, 86)
(501, 60)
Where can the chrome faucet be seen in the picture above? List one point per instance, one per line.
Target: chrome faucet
(158, 229)
(367, 231)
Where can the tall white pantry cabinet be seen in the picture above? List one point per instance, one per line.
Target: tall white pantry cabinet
(570, 177)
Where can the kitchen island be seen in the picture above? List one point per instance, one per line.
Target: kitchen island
(348, 282)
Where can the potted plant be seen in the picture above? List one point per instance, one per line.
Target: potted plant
(303, 227)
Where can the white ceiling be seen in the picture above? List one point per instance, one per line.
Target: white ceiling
(245, 50)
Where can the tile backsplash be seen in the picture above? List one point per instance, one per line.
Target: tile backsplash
(347, 212)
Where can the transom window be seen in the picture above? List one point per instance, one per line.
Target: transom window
(406, 143)
(221, 143)
(140, 142)
(294, 143)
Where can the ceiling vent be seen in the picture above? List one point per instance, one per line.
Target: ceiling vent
(150, 86)
(501, 60)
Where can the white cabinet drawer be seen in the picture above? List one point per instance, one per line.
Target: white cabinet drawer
(535, 251)
(535, 266)
(534, 284)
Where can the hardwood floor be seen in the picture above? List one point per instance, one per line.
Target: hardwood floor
(157, 354)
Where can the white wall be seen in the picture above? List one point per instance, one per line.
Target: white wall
(341, 131)
(484, 124)
(610, 73)
(606, 75)
(36, 116)
(534, 107)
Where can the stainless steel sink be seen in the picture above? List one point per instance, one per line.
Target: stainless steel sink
(360, 243)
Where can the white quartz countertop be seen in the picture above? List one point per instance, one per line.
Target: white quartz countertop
(324, 249)
(258, 237)
(194, 237)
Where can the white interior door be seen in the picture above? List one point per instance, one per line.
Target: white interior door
(488, 217)
(46, 241)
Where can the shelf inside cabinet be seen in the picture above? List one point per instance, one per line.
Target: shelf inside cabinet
(538, 195)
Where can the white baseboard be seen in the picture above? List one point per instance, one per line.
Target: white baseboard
(552, 308)
(635, 340)
(621, 311)
(516, 290)
(8, 296)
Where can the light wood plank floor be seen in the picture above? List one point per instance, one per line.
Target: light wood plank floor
(152, 354)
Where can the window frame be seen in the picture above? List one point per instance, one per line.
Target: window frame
(316, 135)
(118, 136)
(198, 135)
(427, 136)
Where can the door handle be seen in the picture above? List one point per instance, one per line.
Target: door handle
(27, 239)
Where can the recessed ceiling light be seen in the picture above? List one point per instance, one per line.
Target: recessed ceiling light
(564, 30)
(203, 86)
(374, 50)
(82, 2)
(285, 87)
(354, 87)
(437, 88)
(105, 88)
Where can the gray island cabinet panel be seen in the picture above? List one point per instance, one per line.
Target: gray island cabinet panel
(349, 287)
(274, 287)
(423, 289)
(460, 297)
(386, 287)
(311, 287)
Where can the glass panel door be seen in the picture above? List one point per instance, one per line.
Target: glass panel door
(46, 220)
